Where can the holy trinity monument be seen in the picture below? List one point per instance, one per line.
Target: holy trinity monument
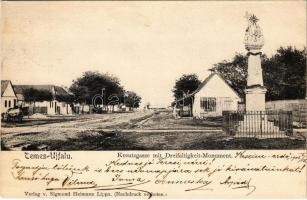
(255, 119)
(254, 41)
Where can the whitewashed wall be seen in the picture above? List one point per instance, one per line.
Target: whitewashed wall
(215, 87)
(7, 96)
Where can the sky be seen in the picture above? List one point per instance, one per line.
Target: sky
(147, 45)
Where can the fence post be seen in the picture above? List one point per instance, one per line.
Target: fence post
(290, 123)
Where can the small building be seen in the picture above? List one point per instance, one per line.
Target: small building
(213, 96)
(8, 96)
(57, 105)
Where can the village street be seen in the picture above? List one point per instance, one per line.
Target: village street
(115, 130)
(143, 130)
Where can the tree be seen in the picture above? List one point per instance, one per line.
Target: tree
(283, 73)
(132, 100)
(91, 83)
(187, 83)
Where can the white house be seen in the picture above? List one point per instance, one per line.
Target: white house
(213, 96)
(8, 96)
(55, 106)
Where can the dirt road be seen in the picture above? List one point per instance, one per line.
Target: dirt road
(44, 136)
(128, 131)
(21, 136)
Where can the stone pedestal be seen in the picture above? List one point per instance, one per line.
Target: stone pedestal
(255, 98)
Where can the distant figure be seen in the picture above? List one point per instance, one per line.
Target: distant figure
(175, 112)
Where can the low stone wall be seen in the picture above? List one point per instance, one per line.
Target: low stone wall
(298, 108)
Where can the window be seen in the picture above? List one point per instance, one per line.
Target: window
(15, 102)
(9, 103)
(208, 104)
(5, 103)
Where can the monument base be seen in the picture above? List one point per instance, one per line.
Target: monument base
(255, 98)
(258, 124)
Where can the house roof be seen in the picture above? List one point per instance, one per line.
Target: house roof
(20, 97)
(57, 90)
(207, 80)
(60, 91)
(4, 84)
(20, 88)
(202, 84)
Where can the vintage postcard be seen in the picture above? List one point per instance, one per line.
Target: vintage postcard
(153, 99)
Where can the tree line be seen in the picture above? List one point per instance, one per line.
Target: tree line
(86, 87)
(284, 75)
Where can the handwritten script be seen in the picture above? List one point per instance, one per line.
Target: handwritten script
(243, 173)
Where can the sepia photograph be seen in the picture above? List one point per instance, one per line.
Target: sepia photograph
(153, 99)
(143, 75)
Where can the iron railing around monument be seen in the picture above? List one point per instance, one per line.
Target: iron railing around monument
(266, 124)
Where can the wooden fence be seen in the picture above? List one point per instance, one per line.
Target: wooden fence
(28, 111)
(297, 107)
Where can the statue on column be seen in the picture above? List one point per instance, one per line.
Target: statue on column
(253, 39)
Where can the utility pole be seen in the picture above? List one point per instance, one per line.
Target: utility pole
(183, 99)
(102, 90)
